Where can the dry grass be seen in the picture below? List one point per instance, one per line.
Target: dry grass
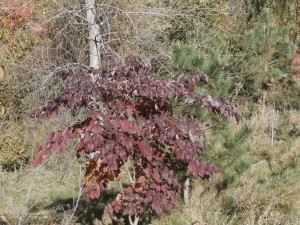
(258, 185)
(28, 189)
(33, 189)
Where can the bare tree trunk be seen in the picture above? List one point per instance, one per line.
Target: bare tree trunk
(94, 34)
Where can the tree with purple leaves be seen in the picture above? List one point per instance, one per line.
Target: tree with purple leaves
(131, 121)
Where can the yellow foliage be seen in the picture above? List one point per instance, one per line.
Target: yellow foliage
(11, 148)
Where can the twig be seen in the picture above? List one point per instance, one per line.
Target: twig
(128, 172)
(78, 198)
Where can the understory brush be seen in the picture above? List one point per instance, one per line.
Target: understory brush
(258, 184)
(259, 180)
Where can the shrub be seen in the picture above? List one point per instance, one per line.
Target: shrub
(131, 119)
(15, 15)
(13, 146)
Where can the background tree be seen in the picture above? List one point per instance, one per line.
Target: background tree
(94, 35)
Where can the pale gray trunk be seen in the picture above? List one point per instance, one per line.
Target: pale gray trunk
(94, 34)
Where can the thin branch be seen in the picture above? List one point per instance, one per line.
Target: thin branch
(78, 198)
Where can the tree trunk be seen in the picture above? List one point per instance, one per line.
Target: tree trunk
(94, 34)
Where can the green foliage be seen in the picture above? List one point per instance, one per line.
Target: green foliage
(288, 12)
(210, 56)
(246, 65)
(230, 155)
(266, 54)
(231, 140)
